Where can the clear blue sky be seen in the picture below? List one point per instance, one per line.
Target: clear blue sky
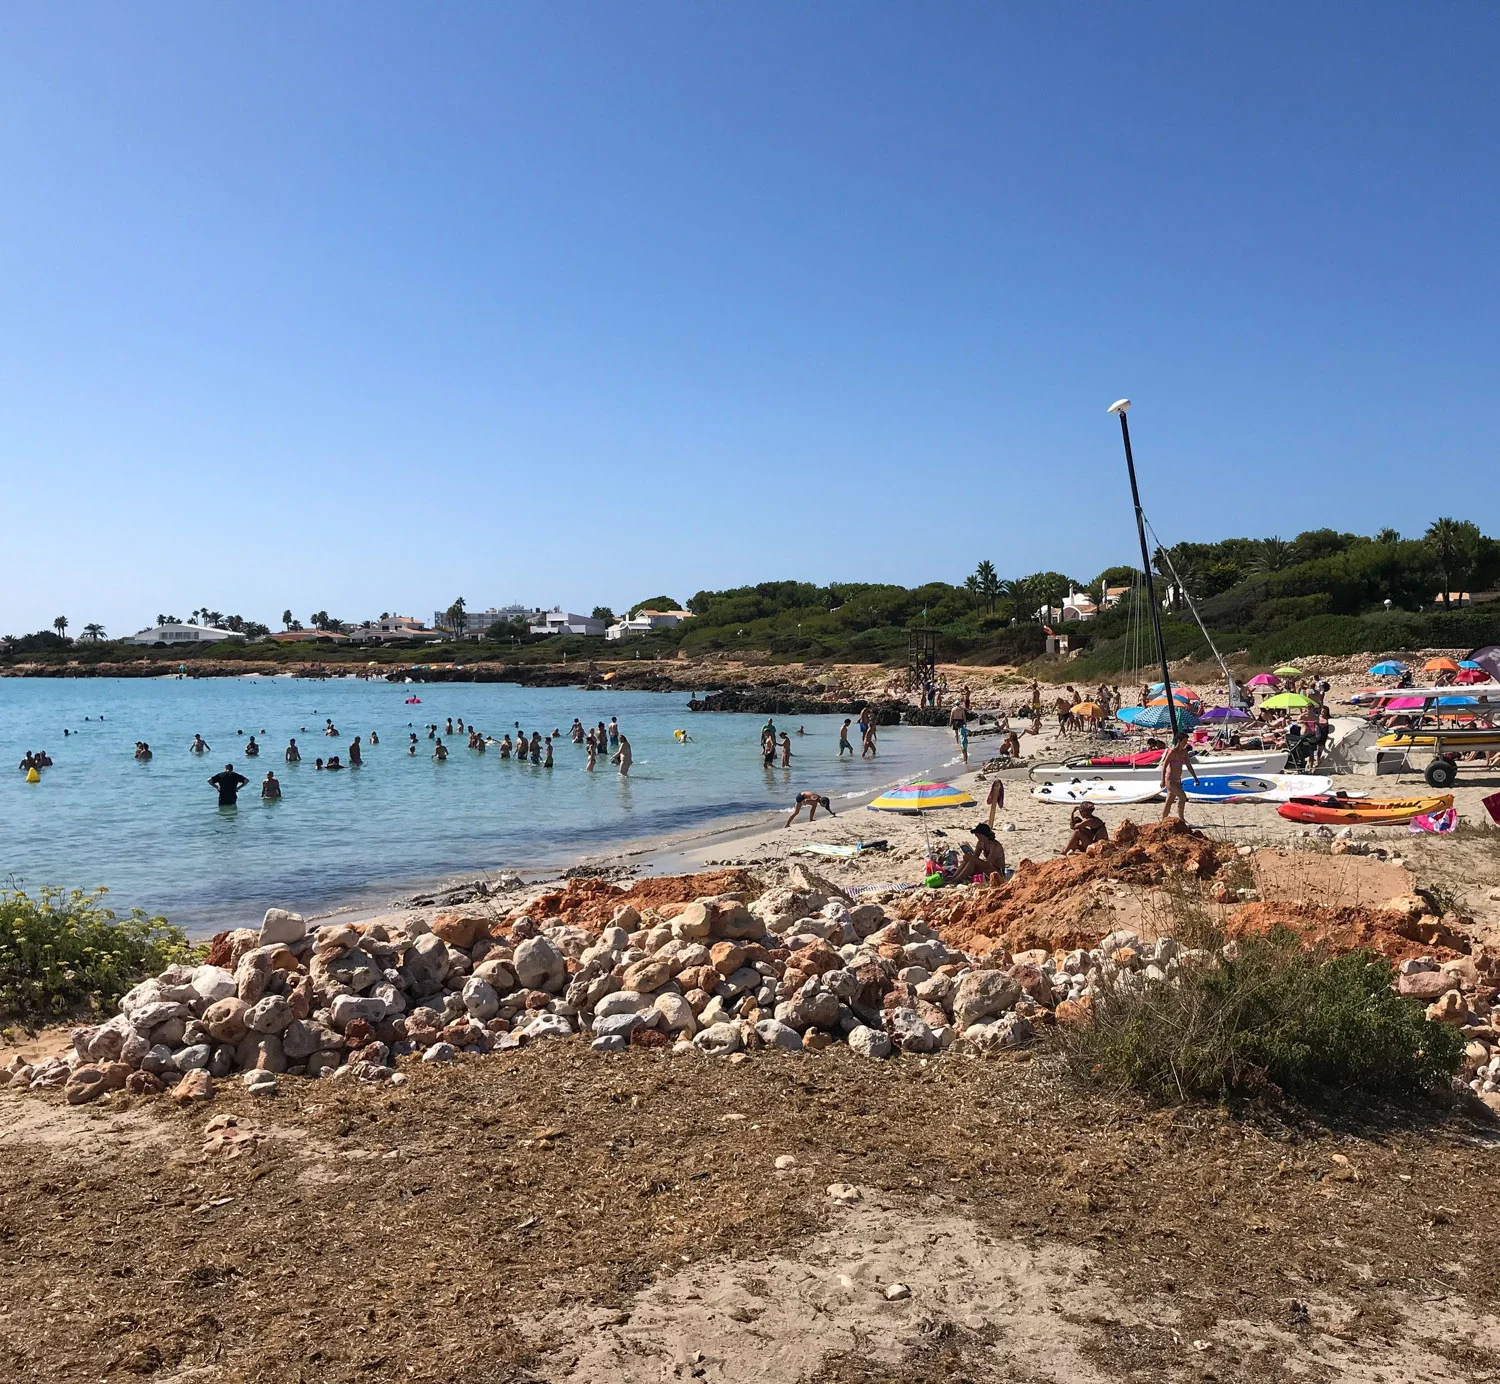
(366, 306)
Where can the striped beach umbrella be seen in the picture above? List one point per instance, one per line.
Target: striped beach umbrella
(1159, 718)
(918, 797)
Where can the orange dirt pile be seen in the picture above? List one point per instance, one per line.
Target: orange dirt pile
(1056, 903)
(1392, 935)
(592, 902)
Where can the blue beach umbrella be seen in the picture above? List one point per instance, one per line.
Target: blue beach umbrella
(1469, 663)
(1389, 669)
(1159, 718)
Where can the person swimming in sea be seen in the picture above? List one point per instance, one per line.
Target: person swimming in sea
(333, 762)
(577, 731)
(374, 737)
(270, 789)
(142, 750)
(251, 747)
(441, 752)
(200, 745)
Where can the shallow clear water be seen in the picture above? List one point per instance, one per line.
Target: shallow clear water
(154, 833)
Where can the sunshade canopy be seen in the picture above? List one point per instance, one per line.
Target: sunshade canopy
(918, 797)
(1284, 700)
(1388, 669)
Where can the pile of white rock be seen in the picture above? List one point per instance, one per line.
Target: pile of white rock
(795, 968)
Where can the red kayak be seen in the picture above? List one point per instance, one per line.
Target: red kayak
(1144, 760)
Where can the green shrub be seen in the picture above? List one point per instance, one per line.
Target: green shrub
(1275, 1014)
(63, 954)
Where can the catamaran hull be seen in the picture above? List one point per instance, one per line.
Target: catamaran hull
(1264, 764)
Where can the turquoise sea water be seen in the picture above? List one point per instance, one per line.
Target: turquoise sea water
(154, 833)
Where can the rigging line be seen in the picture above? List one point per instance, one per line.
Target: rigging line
(1234, 696)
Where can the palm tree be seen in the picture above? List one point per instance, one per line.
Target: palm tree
(1271, 555)
(213, 617)
(286, 619)
(1454, 543)
(61, 626)
(320, 620)
(971, 586)
(93, 632)
(1388, 536)
(989, 582)
(161, 619)
(458, 618)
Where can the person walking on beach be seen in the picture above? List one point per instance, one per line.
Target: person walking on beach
(844, 738)
(1178, 758)
(355, 757)
(293, 754)
(811, 801)
(229, 784)
(270, 789)
(622, 757)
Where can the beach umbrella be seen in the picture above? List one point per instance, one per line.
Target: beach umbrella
(1467, 675)
(918, 797)
(1159, 718)
(1469, 663)
(1440, 665)
(1225, 713)
(1128, 714)
(1284, 700)
(1088, 709)
(1264, 680)
(1389, 669)
(1288, 671)
(1181, 698)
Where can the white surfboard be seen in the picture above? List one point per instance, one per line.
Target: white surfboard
(1097, 791)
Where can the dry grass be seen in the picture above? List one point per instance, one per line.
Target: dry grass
(416, 1233)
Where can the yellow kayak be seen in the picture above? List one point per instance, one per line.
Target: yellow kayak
(1456, 740)
(1332, 809)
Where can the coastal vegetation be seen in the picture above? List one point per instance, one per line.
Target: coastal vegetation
(1268, 1013)
(64, 955)
(1267, 599)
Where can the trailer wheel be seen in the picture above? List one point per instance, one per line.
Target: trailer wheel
(1441, 773)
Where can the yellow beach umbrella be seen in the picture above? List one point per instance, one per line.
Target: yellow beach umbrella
(1088, 709)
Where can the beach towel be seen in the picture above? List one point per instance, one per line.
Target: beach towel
(1436, 822)
(1492, 806)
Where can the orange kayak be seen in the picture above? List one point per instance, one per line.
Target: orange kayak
(1336, 811)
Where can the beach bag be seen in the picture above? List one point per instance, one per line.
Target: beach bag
(1492, 806)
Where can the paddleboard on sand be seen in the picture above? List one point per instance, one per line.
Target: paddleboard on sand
(1225, 788)
(1289, 786)
(1097, 791)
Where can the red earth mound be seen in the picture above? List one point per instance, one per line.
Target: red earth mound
(1393, 935)
(1055, 903)
(592, 902)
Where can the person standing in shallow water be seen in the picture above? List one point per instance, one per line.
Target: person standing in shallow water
(229, 784)
(844, 738)
(355, 759)
(622, 757)
(293, 754)
(270, 789)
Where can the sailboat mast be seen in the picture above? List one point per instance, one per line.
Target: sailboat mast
(1120, 408)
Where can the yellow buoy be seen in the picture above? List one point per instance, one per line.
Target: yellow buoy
(32, 776)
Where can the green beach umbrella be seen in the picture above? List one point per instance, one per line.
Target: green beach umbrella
(1289, 672)
(1286, 700)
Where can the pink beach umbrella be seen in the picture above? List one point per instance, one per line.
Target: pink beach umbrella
(1264, 680)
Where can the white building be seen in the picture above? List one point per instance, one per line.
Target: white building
(389, 627)
(644, 621)
(1075, 606)
(558, 621)
(477, 621)
(183, 634)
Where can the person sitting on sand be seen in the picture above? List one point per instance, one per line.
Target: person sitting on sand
(1011, 745)
(622, 757)
(985, 857)
(811, 801)
(270, 789)
(1087, 828)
